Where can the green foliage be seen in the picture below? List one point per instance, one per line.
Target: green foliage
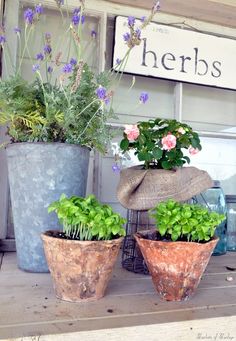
(149, 148)
(44, 113)
(178, 221)
(19, 108)
(87, 219)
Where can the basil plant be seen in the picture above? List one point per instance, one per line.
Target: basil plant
(185, 222)
(87, 218)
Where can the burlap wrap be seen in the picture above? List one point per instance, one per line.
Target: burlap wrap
(141, 189)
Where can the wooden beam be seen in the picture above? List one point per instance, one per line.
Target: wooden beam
(178, 101)
(126, 7)
(7, 245)
(4, 190)
(134, 3)
(10, 19)
(221, 12)
(3, 167)
(1, 10)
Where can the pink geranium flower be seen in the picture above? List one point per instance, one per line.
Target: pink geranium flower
(168, 142)
(193, 151)
(131, 131)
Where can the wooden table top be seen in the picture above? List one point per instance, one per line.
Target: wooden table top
(29, 307)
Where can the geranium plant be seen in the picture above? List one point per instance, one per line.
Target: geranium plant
(73, 107)
(159, 143)
(185, 222)
(87, 219)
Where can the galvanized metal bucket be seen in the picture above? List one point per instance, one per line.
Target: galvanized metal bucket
(38, 174)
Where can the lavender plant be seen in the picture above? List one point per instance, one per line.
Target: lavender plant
(76, 106)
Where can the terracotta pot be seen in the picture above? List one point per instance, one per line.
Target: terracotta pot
(176, 267)
(80, 269)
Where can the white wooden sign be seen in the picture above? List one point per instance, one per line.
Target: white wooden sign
(177, 54)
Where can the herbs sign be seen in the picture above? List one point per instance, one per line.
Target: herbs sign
(177, 54)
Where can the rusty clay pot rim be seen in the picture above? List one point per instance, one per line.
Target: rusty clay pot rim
(138, 235)
(84, 242)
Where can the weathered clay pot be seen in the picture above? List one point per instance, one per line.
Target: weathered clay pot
(176, 267)
(80, 269)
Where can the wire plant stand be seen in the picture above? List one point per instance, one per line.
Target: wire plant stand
(132, 259)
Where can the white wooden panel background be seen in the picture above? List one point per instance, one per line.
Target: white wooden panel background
(208, 108)
(160, 103)
(51, 22)
(218, 158)
(205, 108)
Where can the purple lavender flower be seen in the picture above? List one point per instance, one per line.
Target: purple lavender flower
(29, 16)
(67, 68)
(131, 21)
(138, 33)
(50, 69)
(39, 56)
(93, 34)
(73, 61)
(35, 67)
(118, 61)
(39, 9)
(101, 92)
(143, 97)
(17, 30)
(126, 36)
(2, 39)
(47, 49)
(116, 168)
(61, 2)
(156, 6)
(47, 36)
(143, 19)
(76, 19)
(76, 11)
(107, 100)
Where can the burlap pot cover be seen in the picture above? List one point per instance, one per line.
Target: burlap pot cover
(141, 189)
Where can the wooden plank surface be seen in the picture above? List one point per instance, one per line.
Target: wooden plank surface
(1, 258)
(208, 329)
(29, 307)
(222, 12)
